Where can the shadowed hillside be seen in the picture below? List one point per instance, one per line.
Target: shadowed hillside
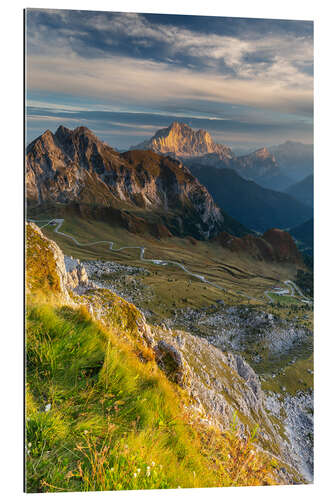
(254, 206)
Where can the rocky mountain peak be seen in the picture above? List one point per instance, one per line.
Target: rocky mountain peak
(62, 131)
(180, 140)
(263, 154)
(66, 134)
(75, 167)
(179, 126)
(259, 163)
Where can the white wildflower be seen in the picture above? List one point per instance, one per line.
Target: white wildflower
(134, 474)
(138, 471)
(48, 407)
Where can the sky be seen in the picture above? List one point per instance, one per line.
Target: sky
(249, 82)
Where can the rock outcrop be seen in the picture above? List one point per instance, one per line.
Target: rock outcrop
(48, 270)
(77, 277)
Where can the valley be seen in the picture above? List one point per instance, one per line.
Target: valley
(233, 278)
(172, 293)
(142, 228)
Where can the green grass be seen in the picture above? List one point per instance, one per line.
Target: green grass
(100, 419)
(292, 378)
(284, 299)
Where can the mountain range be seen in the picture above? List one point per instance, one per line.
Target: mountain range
(149, 192)
(269, 167)
(142, 190)
(295, 159)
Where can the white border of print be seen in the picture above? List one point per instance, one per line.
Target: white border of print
(11, 375)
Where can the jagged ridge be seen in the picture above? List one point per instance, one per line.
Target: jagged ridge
(74, 166)
(196, 147)
(182, 141)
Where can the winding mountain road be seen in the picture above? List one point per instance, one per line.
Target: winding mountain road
(59, 222)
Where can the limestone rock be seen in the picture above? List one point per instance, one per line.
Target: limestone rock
(171, 362)
(47, 264)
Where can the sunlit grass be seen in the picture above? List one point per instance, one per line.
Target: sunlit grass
(98, 418)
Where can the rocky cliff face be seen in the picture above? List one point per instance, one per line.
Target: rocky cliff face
(74, 166)
(182, 141)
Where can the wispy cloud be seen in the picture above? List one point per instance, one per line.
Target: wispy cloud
(151, 62)
(132, 80)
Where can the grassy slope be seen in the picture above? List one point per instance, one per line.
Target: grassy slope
(169, 288)
(113, 421)
(100, 415)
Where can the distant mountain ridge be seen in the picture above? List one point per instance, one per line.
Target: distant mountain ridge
(196, 147)
(140, 189)
(254, 206)
(294, 158)
(303, 190)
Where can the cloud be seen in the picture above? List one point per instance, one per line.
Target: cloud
(180, 65)
(128, 56)
(129, 80)
(102, 34)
